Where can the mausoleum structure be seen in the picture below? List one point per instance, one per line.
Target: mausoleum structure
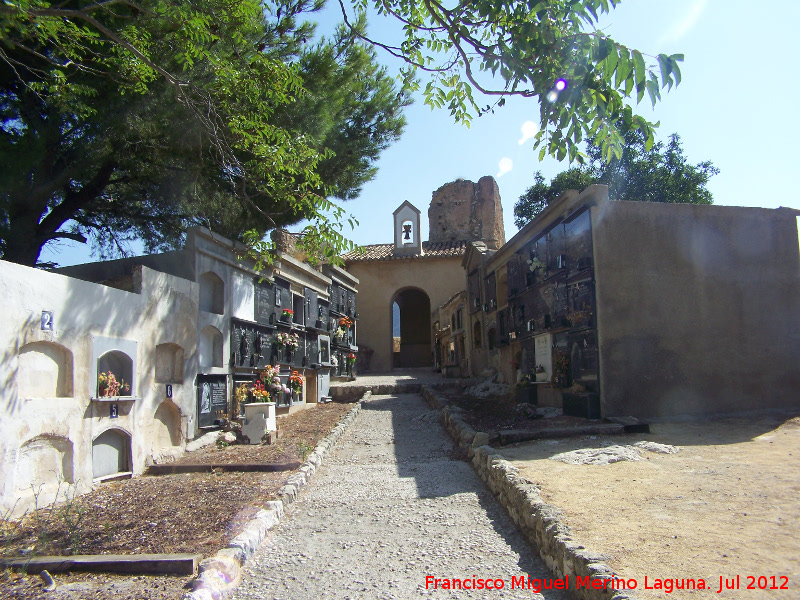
(647, 309)
(112, 365)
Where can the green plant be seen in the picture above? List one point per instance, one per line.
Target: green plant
(305, 449)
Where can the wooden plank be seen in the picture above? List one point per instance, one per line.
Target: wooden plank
(132, 564)
(172, 469)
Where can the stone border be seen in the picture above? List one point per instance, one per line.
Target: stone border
(221, 573)
(540, 523)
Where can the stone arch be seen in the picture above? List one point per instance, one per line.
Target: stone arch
(414, 312)
(169, 363)
(44, 371)
(44, 459)
(166, 426)
(212, 293)
(210, 347)
(111, 453)
(121, 365)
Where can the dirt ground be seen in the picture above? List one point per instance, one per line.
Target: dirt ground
(726, 505)
(193, 512)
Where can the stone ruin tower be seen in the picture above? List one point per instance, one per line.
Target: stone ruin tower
(463, 210)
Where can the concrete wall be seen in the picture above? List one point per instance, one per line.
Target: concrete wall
(697, 308)
(379, 283)
(48, 379)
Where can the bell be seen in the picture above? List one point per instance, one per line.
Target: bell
(406, 232)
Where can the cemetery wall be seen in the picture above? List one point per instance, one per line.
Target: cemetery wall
(57, 334)
(697, 308)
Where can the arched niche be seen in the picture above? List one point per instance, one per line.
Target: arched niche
(413, 308)
(210, 347)
(121, 366)
(166, 426)
(491, 338)
(212, 293)
(111, 453)
(43, 460)
(44, 371)
(169, 363)
(476, 334)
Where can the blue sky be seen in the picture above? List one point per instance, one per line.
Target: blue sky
(737, 107)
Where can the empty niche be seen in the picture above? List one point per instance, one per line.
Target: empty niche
(166, 426)
(212, 293)
(169, 363)
(210, 349)
(120, 365)
(45, 371)
(111, 453)
(45, 459)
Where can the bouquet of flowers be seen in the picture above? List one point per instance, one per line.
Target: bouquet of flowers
(108, 385)
(296, 381)
(351, 359)
(270, 375)
(335, 360)
(287, 313)
(344, 324)
(259, 392)
(287, 340)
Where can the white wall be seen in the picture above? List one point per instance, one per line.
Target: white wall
(48, 378)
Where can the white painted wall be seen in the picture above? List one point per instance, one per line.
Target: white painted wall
(48, 378)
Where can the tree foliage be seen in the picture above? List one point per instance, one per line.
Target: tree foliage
(658, 174)
(126, 121)
(549, 50)
(130, 119)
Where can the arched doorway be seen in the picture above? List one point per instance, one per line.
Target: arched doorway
(411, 329)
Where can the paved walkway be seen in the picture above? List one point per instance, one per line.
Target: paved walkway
(389, 507)
(425, 376)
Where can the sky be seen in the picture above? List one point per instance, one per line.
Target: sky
(737, 106)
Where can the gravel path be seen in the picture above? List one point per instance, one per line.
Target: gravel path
(388, 508)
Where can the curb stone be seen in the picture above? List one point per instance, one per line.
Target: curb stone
(540, 523)
(221, 573)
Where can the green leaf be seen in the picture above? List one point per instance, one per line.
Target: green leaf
(639, 66)
(665, 65)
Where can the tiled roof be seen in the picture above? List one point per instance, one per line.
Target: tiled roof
(429, 250)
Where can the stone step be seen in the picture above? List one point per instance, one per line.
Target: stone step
(511, 436)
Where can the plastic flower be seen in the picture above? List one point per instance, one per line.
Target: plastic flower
(296, 381)
(109, 386)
